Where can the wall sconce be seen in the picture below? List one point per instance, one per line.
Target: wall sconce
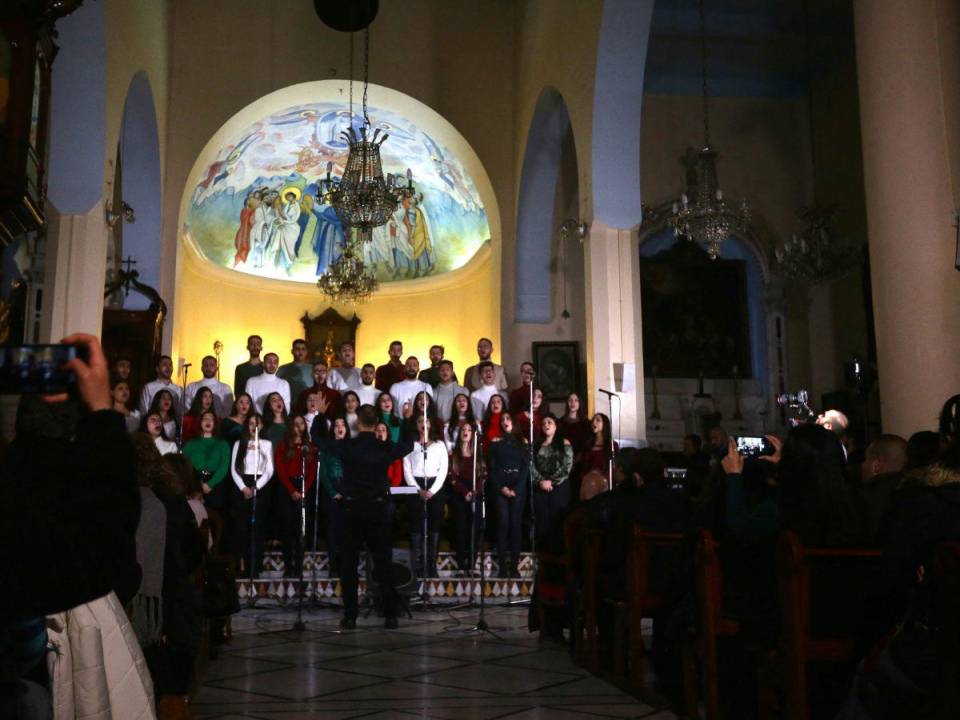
(579, 230)
(575, 226)
(126, 212)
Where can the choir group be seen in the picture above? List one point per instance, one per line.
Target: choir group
(479, 450)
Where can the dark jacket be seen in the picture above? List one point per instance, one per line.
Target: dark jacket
(874, 495)
(365, 460)
(70, 512)
(508, 466)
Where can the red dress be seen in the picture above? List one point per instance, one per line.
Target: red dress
(521, 421)
(191, 428)
(491, 431)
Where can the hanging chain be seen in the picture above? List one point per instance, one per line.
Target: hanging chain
(351, 80)
(703, 76)
(366, 73)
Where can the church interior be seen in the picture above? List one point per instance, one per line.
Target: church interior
(708, 219)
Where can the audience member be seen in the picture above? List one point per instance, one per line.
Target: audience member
(692, 445)
(880, 475)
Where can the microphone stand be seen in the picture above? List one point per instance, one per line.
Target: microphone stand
(183, 407)
(533, 514)
(253, 515)
(298, 625)
(315, 598)
(610, 396)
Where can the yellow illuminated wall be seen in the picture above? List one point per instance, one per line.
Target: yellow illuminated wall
(214, 304)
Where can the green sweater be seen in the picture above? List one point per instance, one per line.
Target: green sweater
(211, 454)
(331, 469)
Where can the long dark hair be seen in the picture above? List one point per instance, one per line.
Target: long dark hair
(194, 410)
(605, 432)
(245, 438)
(290, 437)
(557, 436)
(268, 418)
(456, 456)
(343, 400)
(252, 407)
(431, 406)
(216, 422)
(155, 406)
(566, 406)
(143, 424)
(453, 428)
(487, 412)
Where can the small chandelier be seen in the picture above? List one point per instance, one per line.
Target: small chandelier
(817, 255)
(347, 279)
(707, 220)
(362, 198)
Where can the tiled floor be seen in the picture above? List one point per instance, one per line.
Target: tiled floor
(433, 666)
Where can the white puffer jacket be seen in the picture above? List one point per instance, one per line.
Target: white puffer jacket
(97, 671)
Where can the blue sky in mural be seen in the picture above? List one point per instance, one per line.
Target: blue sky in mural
(253, 208)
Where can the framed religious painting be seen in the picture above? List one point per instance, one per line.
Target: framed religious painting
(558, 369)
(325, 332)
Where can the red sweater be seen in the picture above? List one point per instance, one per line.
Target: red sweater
(289, 469)
(388, 375)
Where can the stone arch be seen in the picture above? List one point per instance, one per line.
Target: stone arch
(659, 236)
(139, 156)
(78, 112)
(617, 102)
(549, 130)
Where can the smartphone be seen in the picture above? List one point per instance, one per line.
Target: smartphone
(36, 369)
(754, 446)
(675, 477)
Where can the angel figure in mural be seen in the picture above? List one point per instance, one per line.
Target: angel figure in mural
(321, 240)
(286, 229)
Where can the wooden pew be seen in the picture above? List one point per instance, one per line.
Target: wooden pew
(712, 626)
(795, 567)
(640, 600)
(945, 601)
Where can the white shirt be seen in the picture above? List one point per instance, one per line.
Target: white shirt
(309, 418)
(166, 447)
(155, 386)
(337, 381)
(261, 466)
(222, 395)
(444, 395)
(132, 421)
(368, 394)
(473, 382)
(406, 391)
(481, 398)
(262, 385)
(436, 466)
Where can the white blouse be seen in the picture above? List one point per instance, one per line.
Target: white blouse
(253, 464)
(166, 447)
(436, 465)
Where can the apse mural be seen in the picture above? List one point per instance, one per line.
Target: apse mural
(254, 206)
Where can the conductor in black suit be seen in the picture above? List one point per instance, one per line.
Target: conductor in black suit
(366, 491)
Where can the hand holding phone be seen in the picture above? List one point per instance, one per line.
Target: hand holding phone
(754, 446)
(89, 366)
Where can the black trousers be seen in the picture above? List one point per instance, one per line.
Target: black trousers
(466, 518)
(366, 521)
(290, 520)
(241, 510)
(509, 522)
(333, 512)
(549, 509)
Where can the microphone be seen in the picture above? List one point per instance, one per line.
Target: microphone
(606, 392)
(186, 365)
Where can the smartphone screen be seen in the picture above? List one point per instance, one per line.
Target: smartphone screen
(36, 369)
(754, 446)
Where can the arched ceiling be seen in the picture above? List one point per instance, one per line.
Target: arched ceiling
(250, 204)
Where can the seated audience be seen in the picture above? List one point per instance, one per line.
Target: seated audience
(880, 475)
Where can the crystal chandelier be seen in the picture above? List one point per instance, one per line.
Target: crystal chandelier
(363, 198)
(707, 219)
(817, 255)
(347, 279)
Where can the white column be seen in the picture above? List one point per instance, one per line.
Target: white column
(614, 337)
(907, 68)
(74, 274)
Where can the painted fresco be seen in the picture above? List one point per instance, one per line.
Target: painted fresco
(254, 208)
